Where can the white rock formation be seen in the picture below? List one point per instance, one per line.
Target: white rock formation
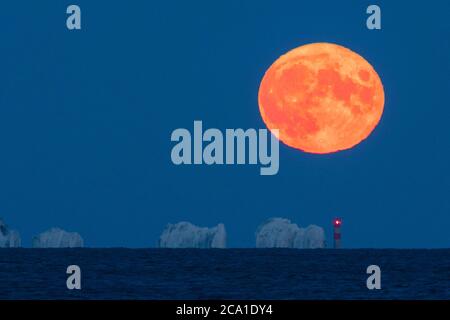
(8, 238)
(187, 235)
(281, 233)
(314, 237)
(58, 238)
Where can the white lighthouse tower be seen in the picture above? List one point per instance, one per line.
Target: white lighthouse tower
(337, 222)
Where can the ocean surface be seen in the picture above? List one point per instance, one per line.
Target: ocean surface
(224, 274)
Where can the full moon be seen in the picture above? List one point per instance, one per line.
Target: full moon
(321, 97)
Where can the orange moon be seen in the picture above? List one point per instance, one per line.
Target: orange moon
(322, 98)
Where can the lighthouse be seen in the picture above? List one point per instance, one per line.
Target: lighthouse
(337, 222)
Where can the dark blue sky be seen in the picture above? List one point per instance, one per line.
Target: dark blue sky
(86, 118)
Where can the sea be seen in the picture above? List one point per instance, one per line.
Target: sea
(255, 274)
